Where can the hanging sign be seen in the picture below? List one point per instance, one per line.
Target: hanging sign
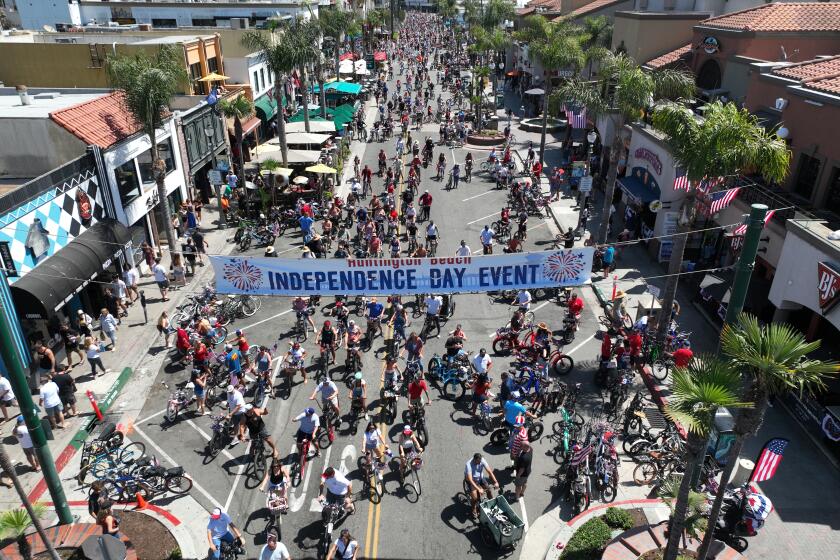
(828, 286)
(406, 276)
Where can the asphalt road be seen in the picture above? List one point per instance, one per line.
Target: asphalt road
(435, 524)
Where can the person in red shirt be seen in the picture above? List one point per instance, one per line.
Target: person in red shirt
(375, 244)
(606, 347)
(415, 391)
(683, 356)
(537, 170)
(480, 389)
(635, 340)
(200, 355)
(242, 342)
(575, 305)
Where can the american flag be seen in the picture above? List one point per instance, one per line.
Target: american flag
(681, 182)
(769, 460)
(576, 118)
(721, 199)
(708, 183)
(580, 456)
(742, 229)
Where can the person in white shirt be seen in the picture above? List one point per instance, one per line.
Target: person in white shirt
(487, 236)
(431, 231)
(51, 402)
(329, 395)
(7, 396)
(21, 432)
(433, 304)
(130, 278)
(345, 547)
(236, 413)
(523, 300)
(274, 550)
(339, 489)
(161, 278)
(482, 362)
(463, 250)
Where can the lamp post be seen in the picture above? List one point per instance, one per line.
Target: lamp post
(584, 196)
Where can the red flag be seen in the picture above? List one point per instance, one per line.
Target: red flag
(769, 460)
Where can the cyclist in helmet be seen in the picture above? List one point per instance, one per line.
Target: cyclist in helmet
(327, 340)
(296, 360)
(358, 392)
(308, 430)
(409, 446)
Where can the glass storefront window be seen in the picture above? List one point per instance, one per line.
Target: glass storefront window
(144, 160)
(127, 182)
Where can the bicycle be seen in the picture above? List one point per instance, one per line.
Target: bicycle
(218, 440)
(258, 457)
(372, 469)
(409, 472)
(299, 466)
(432, 245)
(661, 367)
(431, 327)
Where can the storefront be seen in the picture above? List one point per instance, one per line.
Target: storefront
(203, 136)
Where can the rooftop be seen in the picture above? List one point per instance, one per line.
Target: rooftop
(103, 121)
(668, 58)
(171, 39)
(592, 7)
(822, 74)
(783, 16)
(43, 101)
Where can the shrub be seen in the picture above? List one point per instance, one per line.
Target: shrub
(588, 542)
(618, 518)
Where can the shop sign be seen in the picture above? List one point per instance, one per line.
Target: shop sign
(6, 258)
(828, 286)
(710, 45)
(153, 199)
(650, 157)
(585, 186)
(215, 177)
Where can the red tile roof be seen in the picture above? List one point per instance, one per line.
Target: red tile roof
(592, 7)
(821, 74)
(782, 16)
(525, 11)
(102, 122)
(669, 57)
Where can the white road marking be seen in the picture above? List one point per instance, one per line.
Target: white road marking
(235, 482)
(579, 345)
(166, 457)
(482, 218)
(207, 437)
(299, 500)
(266, 319)
(478, 195)
(315, 504)
(524, 512)
(536, 226)
(349, 451)
(155, 415)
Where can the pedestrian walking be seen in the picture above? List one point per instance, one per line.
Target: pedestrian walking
(66, 390)
(21, 432)
(112, 304)
(148, 254)
(189, 255)
(94, 359)
(85, 323)
(161, 278)
(199, 380)
(178, 272)
(7, 397)
(164, 327)
(522, 468)
(46, 360)
(108, 327)
(201, 245)
(71, 341)
(120, 289)
(49, 399)
(130, 279)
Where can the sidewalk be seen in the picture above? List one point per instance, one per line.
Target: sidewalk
(132, 368)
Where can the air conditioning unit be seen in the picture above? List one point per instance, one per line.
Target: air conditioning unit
(239, 23)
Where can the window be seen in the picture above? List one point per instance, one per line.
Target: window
(127, 183)
(195, 74)
(213, 64)
(256, 81)
(144, 160)
(262, 79)
(204, 22)
(832, 197)
(806, 175)
(168, 23)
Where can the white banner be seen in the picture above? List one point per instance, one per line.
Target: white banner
(407, 276)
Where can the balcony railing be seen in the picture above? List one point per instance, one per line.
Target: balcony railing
(787, 204)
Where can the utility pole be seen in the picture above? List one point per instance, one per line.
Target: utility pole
(746, 263)
(21, 390)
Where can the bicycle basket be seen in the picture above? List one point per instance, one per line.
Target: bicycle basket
(417, 463)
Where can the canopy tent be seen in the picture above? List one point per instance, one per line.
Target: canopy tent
(535, 91)
(272, 151)
(340, 116)
(347, 56)
(349, 88)
(265, 107)
(303, 139)
(284, 171)
(346, 67)
(380, 56)
(321, 168)
(315, 125)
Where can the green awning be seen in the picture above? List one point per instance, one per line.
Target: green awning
(265, 107)
(349, 88)
(342, 114)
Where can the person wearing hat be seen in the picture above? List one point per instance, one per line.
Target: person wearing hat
(308, 430)
(233, 362)
(21, 432)
(220, 529)
(358, 392)
(409, 446)
(244, 346)
(316, 246)
(682, 356)
(84, 322)
(307, 253)
(338, 489)
(236, 414)
(273, 549)
(257, 428)
(269, 251)
(295, 360)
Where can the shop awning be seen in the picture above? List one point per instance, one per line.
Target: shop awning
(637, 190)
(251, 124)
(315, 125)
(304, 138)
(380, 56)
(265, 107)
(345, 56)
(349, 88)
(55, 281)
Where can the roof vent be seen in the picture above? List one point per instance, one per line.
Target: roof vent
(48, 95)
(24, 95)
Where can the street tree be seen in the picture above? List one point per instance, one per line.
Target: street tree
(148, 83)
(727, 141)
(495, 12)
(237, 108)
(773, 359)
(336, 25)
(557, 45)
(447, 9)
(596, 39)
(697, 391)
(620, 92)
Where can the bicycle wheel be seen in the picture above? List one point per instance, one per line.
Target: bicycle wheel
(259, 461)
(535, 431)
(415, 480)
(132, 452)
(214, 446)
(559, 455)
(563, 365)
(609, 492)
(645, 473)
(529, 317)
(639, 450)
(501, 347)
(248, 306)
(659, 370)
(423, 434)
(111, 490)
(376, 483)
(499, 437)
(179, 484)
(453, 390)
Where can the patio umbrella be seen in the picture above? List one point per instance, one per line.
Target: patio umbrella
(285, 171)
(301, 180)
(321, 168)
(535, 91)
(251, 186)
(213, 77)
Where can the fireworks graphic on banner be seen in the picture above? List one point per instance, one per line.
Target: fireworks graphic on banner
(243, 275)
(564, 266)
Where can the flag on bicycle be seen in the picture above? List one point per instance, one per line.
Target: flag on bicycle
(576, 118)
(769, 460)
(681, 182)
(580, 455)
(721, 199)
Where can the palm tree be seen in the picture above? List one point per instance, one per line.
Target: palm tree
(621, 91)
(148, 84)
(727, 141)
(597, 38)
(334, 24)
(490, 43)
(16, 522)
(698, 390)
(695, 510)
(447, 9)
(271, 165)
(773, 359)
(495, 12)
(276, 50)
(237, 109)
(557, 45)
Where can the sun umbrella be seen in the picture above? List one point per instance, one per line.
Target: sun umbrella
(301, 180)
(321, 168)
(535, 91)
(285, 171)
(251, 186)
(213, 77)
